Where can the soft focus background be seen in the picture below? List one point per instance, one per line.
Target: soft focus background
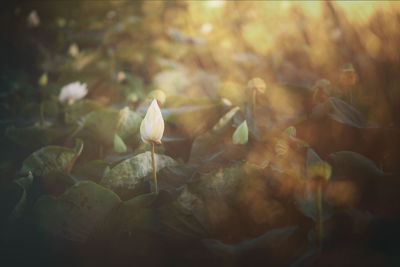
(196, 47)
(317, 83)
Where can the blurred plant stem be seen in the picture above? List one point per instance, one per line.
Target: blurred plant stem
(254, 100)
(101, 152)
(41, 112)
(319, 226)
(154, 168)
(77, 128)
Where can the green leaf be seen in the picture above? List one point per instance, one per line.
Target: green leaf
(213, 199)
(351, 165)
(347, 114)
(93, 170)
(307, 206)
(210, 144)
(128, 175)
(128, 123)
(143, 215)
(34, 137)
(266, 243)
(119, 145)
(51, 158)
(77, 212)
(192, 116)
(55, 182)
(31, 110)
(129, 215)
(102, 124)
(23, 183)
(11, 195)
(172, 177)
(241, 134)
(79, 109)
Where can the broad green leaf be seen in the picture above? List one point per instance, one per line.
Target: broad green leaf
(23, 183)
(341, 112)
(55, 182)
(51, 158)
(129, 174)
(307, 205)
(105, 123)
(145, 214)
(77, 212)
(347, 114)
(213, 199)
(172, 177)
(93, 170)
(12, 195)
(192, 116)
(128, 123)
(351, 165)
(31, 110)
(211, 143)
(36, 136)
(269, 242)
(79, 109)
(102, 124)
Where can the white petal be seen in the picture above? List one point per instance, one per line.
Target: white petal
(152, 126)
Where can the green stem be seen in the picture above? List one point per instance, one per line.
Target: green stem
(41, 112)
(101, 152)
(254, 100)
(154, 167)
(77, 128)
(320, 230)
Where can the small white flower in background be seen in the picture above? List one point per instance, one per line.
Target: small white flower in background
(73, 50)
(152, 126)
(72, 92)
(33, 19)
(241, 134)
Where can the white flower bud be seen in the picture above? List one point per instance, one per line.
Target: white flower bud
(152, 126)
